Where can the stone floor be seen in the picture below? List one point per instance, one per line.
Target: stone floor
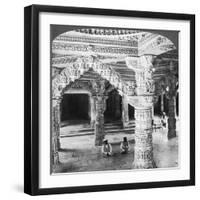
(78, 153)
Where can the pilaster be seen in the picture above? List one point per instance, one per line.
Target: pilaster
(55, 131)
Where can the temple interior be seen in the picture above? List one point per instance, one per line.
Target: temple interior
(110, 84)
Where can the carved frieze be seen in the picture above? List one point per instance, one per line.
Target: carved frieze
(87, 39)
(93, 48)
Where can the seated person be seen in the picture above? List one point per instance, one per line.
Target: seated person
(124, 146)
(106, 148)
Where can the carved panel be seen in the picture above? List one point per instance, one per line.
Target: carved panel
(58, 46)
(73, 71)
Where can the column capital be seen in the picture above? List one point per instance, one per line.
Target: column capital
(145, 101)
(141, 63)
(98, 87)
(143, 67)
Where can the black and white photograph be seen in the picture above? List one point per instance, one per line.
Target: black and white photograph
(109, 100)
(114, 99)
(98, 100)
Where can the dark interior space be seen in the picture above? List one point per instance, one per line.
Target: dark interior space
(166, 105)
(113, 107)
(131, 112)
(75, 107)
(157, 107)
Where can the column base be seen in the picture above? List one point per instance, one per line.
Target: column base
(171, 128)
(144, 165)
(125, 124)
(92, 124)
(55, 160)
(99, 140)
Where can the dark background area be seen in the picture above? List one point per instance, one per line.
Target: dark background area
(75, 107)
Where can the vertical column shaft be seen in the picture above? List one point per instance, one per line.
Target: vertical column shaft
(125, 115)
(171, 118)
(162, 103)
(99, 122)
(93, 112)
(55, 131)
(143, 138)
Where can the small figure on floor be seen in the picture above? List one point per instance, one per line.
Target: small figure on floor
(106, 148)
(124, 146)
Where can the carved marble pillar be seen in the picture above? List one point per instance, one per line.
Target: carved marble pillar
(98, 91)
(55, 131)
(93, 111)
(143, 138)
(143, 103)
(99, 120)
(172, 117)
(171, 82)
(162, 103)
(125, 115)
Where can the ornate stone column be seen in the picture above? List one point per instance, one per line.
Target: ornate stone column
(143, 138)
(172, 117)
(93, 111)
(99, 121)
(125, 116)
(170, 89)
(55, 131)
(162, 103)
(143, 102)
(98, 91)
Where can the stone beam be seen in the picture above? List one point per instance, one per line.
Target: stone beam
(86, 50)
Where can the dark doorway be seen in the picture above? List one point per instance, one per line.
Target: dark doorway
(75, 107)
(157, 107)
(113, 107)
(166, 104)
(131, 112)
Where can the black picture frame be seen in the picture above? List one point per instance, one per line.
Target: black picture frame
(31, 98)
